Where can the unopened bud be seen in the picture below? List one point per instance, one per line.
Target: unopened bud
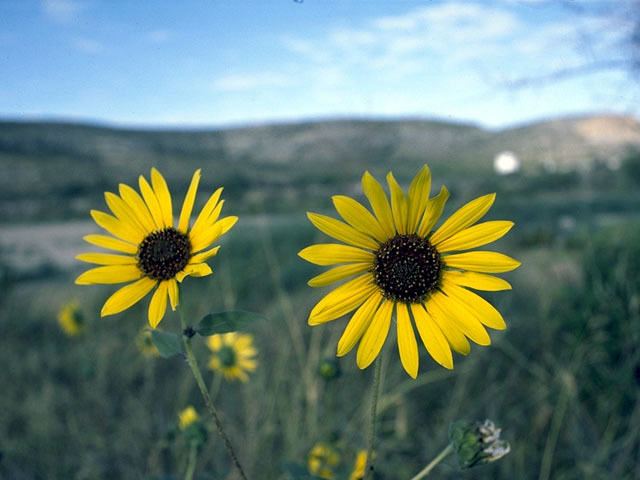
(477, 443)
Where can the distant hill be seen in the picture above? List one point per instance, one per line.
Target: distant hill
(60, 169)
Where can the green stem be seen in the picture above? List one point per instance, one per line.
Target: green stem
(441, 456)
(193, 364)
(191, 466)
(375, 393)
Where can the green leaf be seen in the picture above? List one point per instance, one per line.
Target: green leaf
(168, 344)
(225, 322)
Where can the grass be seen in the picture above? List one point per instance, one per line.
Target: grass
(563, 381)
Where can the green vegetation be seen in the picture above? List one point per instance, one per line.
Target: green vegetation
(563, 381)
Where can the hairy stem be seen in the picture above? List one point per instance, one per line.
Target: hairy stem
(375, 393)
(193, 364)
(441, 456)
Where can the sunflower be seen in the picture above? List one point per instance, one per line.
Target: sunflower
(145, 344)
(400, 264)
(71, 320)
(322, 461)
(152, 252)
(187, 417)
(233, 355)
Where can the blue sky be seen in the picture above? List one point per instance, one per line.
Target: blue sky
(222, 62)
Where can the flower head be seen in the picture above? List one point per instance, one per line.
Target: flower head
(145, 344)
(402, 264)
(233, 355)
(187, 417)
(477, 443)
(71, 320)
(323, 460)
(153, 253)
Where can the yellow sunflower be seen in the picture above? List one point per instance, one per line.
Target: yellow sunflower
(145, 344)
(152, 252)
(401, 264)
(71, 320)
(322, 461)
(233, 355)
(187, 417)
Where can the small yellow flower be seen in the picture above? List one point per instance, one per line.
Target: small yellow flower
(402, 264)
(145, 344)
(358, 469)
(70, 319)
(323, 459)
(152, 252)
(187, 417)
(233, 355)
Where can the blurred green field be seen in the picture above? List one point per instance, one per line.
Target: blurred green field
(563, 381)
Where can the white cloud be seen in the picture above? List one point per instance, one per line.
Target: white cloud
(62, 11)
(252, 81)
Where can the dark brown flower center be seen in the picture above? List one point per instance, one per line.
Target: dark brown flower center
(163, 253)
(407, 268)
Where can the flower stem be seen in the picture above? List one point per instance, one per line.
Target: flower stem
(193, 364)
(441, 456)
(191, 466)
(375, 393)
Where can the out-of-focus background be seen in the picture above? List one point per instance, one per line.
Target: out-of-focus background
(286, 103)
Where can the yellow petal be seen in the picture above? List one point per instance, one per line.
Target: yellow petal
(337, 273)
(433, 212)
(164, 197)
(466, 215)
(463, 320)
(195, 270)
(174, 297)
(341, 231)
(399, 205)
(333, 253)
(432, 337)
(485, 262)
(204, 256)
(200, 241)
(407, 345)
(214, 342)
(209, 207)
(342, 300)
(123, 213)
(358, 324)
(477, 281)
(483, 310)
(111, 243)
(380, 204)
(117, 228)
(189, 200)
(158, 305)
(107, 259)
(454, 337)
(127, 296)
(358, 217)
(109, 274)
(475, 236)
(151, 200)
(376, 334)
(136, 204)
(419, 191)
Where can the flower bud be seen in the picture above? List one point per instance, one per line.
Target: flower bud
(329, 369)
(477, 443)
